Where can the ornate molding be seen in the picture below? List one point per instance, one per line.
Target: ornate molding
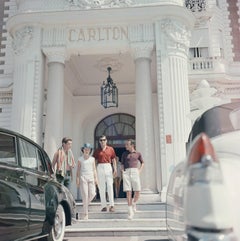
(142, 40)
(196, 5)
(105, 62)
(55, 36)
(176, 35)
(36, 94)
(22, 38)
(225, 88)
(89, 4)
(141, 32)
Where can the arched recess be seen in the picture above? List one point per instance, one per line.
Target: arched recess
(117, 128)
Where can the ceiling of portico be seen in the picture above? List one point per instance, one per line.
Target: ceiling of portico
(84, 74)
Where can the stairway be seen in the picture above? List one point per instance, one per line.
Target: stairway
(149, 220)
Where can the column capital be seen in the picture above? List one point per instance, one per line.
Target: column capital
(142, 50)
(173, 35)
(55, 54)
(22, 39)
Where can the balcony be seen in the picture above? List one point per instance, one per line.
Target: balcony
(206, 65)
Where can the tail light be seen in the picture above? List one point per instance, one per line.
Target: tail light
(202, 161)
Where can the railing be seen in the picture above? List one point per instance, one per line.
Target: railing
(217, 64)
(201, 64)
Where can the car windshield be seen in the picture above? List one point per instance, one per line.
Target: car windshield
(216, 121)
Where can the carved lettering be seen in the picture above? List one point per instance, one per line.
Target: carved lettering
(100, 38)
(98, 34)
(81, 35)
(116, 33)
(107, 31)
(72, 35)
(91, 34)
(124, 33)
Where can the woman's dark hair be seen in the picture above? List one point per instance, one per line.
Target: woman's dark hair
(65, 140)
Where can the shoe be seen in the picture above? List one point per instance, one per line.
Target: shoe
(111, 209)
(130, 213)
(134, 207)
(104, 210)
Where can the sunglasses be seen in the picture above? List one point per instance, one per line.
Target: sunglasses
(102, 140)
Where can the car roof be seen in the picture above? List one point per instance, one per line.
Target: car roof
(215, 121)
(10, 132)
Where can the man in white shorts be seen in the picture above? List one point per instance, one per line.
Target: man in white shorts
(131, 175)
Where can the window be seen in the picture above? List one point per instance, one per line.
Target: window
(30, 156)
(117, 127)
(198, 52)
(217, 121)
(7, 149)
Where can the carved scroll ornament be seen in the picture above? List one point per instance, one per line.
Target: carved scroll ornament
(177, 35)
(22, 39)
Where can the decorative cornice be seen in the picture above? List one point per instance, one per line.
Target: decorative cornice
(224, 87)
(46, 5)
(89, 4)
(22, 39)
(175, 34)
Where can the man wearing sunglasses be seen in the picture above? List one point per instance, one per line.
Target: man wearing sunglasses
(106, 168)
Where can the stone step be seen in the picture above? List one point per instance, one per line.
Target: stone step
(116, 227)
(122, 214)
(160, 233)
(149, 220)
(120, 206)
(120, 223)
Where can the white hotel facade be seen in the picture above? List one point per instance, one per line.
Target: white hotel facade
(163, 54)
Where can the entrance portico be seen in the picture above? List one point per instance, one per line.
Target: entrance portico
(159, 99)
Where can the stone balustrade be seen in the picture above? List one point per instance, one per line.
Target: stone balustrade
(46, 5)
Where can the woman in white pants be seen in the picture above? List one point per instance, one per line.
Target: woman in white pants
(86, 177)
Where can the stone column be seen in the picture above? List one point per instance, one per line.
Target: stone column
(172, 43)
(144, 114)
(55, 101)
(27, 102)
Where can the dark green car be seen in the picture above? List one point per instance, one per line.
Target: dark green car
(33, 204)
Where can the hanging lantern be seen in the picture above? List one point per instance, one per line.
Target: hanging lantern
(109, 92)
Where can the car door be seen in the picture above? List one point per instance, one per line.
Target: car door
(36, 178)
(14, 196)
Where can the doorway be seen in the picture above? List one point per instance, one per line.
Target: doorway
(117, 128)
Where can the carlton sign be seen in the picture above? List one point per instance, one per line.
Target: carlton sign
(98, 34)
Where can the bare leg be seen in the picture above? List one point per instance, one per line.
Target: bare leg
(136, 196)
(129, 198)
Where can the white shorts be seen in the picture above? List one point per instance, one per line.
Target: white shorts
(131, 180)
